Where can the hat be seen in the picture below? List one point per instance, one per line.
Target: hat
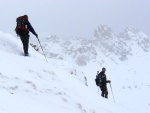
(26, 16)
(103, 69)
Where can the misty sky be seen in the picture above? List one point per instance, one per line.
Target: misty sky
(75, 18)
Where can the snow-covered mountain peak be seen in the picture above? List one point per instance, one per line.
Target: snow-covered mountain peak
(54, 39)
(104, 44)
(133, 30)
(103, 31)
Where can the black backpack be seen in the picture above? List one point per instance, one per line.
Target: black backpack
(98, 81)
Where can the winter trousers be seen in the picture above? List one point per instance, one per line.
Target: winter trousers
(25, 42)
(104, 91)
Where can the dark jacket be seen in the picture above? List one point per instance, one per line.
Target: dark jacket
(29, 27)
(103, 77)
(25, 28)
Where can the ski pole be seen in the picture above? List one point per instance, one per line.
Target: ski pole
(42, 49)
(112, 92)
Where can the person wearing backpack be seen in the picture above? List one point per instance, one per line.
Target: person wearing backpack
(22, 29)
(103, 82)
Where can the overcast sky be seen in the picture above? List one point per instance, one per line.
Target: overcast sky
(75, 18)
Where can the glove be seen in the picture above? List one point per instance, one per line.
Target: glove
(36, 35)
(109, 81)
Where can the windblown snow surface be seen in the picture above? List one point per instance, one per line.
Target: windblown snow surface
(65, 84)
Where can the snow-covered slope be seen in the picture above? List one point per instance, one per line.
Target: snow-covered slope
(125, 55)
(31, 85)
(66, 83)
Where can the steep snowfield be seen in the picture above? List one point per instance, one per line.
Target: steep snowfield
(31, 85)
(125, 55)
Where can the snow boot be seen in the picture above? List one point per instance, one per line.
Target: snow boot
(26, 54)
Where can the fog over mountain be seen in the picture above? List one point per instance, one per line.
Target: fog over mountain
(104, 44)
(79, 38)
(75, 18)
